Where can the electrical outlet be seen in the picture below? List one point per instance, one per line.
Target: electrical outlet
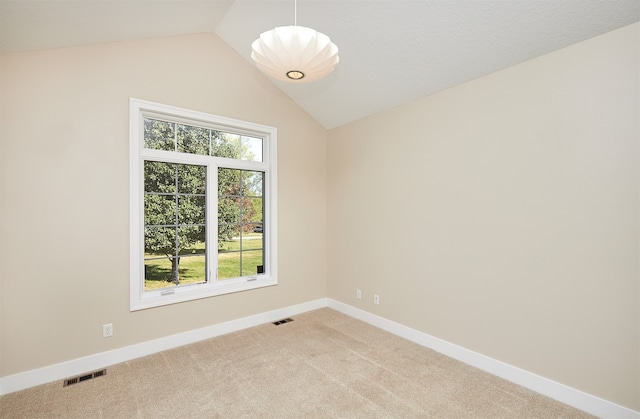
(359, 294)
(107, 330)
(376, 299)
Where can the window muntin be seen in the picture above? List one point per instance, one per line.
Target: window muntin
(187, 240)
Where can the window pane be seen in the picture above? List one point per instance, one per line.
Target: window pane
(228, 182)
(250, 262)
(191, 240)
(251, 148)
(175, 227)
(170, 136)
(157, 274)
(159, 177)
(240, 222)
(217, 145)
(251, 241)
(191, 209)
(192, 250)
(193, 269)
(193, 140)
(159, 135)
(159, 241)
(159, 209)
(228, 251)
(228, 237)
(228, 265)
(226, 145)
(252, 211)
(252, 183)
(228, 211)
(192, 179)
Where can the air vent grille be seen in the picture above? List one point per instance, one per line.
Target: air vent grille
(279, 322)
(84, 377)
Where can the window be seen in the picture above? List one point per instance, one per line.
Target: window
(203, 205)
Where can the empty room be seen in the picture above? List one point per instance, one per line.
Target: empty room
(320, 208)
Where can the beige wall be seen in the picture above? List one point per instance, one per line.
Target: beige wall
(65, 192)
(1, 218)
(502, 215)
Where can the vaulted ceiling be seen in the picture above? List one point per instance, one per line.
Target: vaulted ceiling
(391, 51)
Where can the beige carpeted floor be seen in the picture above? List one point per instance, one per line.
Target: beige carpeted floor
(322, 365)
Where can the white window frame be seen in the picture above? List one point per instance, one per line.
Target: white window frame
(139, 109)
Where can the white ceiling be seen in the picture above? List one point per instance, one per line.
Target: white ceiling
(391, 51)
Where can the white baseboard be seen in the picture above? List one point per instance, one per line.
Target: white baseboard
(78, 366)
(565, 394)
(576, 398)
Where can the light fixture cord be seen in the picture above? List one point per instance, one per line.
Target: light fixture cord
(295, 12)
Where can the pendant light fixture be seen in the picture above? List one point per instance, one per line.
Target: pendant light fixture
(294, 53)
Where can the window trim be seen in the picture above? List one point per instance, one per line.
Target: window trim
(138, 109)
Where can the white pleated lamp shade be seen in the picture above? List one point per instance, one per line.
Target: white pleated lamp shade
(295, 54)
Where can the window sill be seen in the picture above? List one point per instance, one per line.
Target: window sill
(194, 292)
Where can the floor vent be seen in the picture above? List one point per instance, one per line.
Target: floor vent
(279, 322)
(84, 377)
